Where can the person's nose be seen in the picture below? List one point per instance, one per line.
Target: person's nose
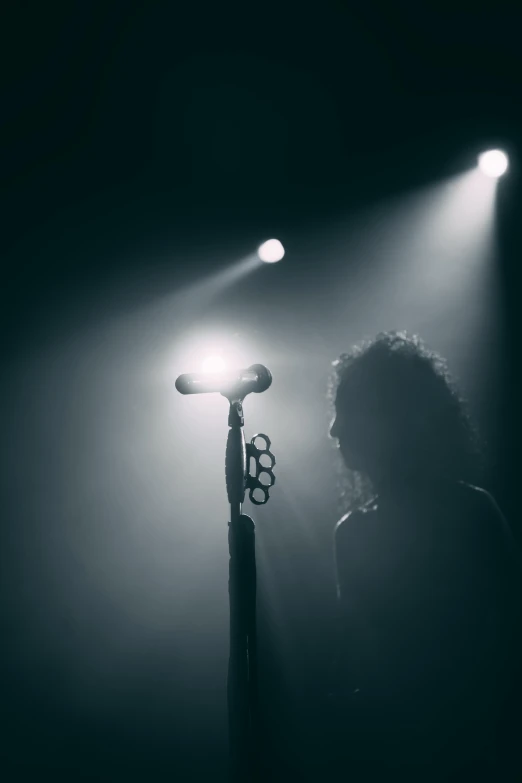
(334, 429)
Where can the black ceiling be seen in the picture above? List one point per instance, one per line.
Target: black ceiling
(128, 122)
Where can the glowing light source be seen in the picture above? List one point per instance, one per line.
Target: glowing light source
(213, 364)
(493, 163)
(271, 251)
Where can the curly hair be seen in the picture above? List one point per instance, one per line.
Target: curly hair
(404, 413)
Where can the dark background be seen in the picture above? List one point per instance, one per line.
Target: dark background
(142, 145)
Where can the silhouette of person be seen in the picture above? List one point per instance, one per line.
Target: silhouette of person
(428, 579)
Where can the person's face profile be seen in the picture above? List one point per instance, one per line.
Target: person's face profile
(341, 431)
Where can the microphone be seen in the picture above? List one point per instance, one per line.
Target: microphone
(256, 378)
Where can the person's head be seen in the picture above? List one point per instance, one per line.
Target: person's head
(398, 416)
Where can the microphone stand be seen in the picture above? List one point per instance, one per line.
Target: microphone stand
(242, 686)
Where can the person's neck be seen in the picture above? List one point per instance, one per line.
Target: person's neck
(401, 489)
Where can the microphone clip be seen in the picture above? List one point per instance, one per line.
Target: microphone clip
(262, 478)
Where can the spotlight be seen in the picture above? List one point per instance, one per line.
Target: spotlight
(271, 251)
(493, 163)
(213, 364)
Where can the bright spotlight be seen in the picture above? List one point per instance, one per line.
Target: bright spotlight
(493, 163)
(271, 251)
(213, 364)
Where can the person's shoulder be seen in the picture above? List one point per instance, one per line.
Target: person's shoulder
(355, 520)
(475, 493)
(487, 514)
(478, 499)
(463, 496)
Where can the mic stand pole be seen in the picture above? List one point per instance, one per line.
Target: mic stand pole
(242, 686)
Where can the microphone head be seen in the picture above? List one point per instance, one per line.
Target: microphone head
(256, 378)
(183, 383)
(264, 377)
